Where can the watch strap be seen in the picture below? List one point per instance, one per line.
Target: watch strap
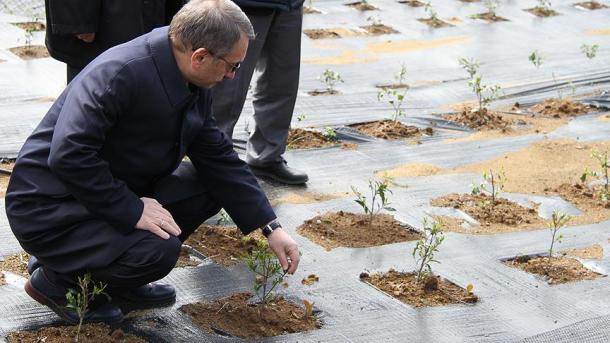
(268, 229)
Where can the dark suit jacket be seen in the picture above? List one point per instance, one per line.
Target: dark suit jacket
(126, 121)
(113, 21)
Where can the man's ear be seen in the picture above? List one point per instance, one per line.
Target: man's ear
(199, 56)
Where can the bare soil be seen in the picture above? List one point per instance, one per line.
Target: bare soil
(6, 167)
(481, 119)
(412, 3)
(310, 10)
(394, 86)
(555, 270)
(235, 317)
(185, 260)
(310, 280)
(225, 245)
(434, 23)
(308, 139)
(582, 196)
(323, 92)
(90, 333)
(16, 264)
(321, 33)
(360, 6)
(389, 129)
(542, 12)
(30, 52)
(504, 216)
(344, 229)
(591, 5)
(594, 252)
(561, 108)
(489, 16)
(378, 29)
(304, 197)
(31, 26)
(432, 291)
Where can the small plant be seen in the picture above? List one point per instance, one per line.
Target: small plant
(301, 117)
(536, 59)
(330, 133)
(424, 250)
(433, 16)
(378, 200)
(401, 75)
(558, 220)
(78, 300)
(374, 21)
(494, 181)
(590, 51)
(395, 99)
(330, 78)
(545, 6)
(485, 94)
(602, 158)
(491, 6)
(264, 264)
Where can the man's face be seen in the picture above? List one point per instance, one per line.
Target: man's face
(207, 69)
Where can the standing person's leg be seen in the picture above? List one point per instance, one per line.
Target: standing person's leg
(274, 98)
(230, 95)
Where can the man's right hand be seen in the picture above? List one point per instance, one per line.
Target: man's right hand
(157, 220)
(86, 37)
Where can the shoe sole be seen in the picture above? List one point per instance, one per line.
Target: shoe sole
(273, 177)
(59, 310)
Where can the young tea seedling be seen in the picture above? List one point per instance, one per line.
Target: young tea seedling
(401, 75)
(491, 6)
(590, 51)
(485, 94)
(264, 264)
(329, 78)
(535, 58)
(424, 250)
(545, 6)
(78, 300)
(602, 158)
(395, 99)
(433, 16)
(374, 21)
(558, 220)
(378, 199)
(329, 133)
(492, 184)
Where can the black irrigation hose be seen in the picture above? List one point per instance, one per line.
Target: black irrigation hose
(590, 81)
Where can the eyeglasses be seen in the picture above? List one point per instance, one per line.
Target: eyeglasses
(232, 66)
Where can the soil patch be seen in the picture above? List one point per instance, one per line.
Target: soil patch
(488, 16)
(605, 118)
(433, 291)
(308, 139)
(394, 86)
(542, 12)
(184, 259)
(389, 129)
(349, 146)
(323, 92)
(90, 333)
(412, 3)
(434, 23)
(594, 252)
(2, 279)
(321, 33)
(305, 197)
(234, 316)
(504, 216)
(344, 229)
(362, 6)
(225, 245)
(555, 270)
(310, 10)
(480, 119)
(591, 5)
(310, 280)
(413, 169)
(31, 26)
(4, 179)
(30, 52)
(378, 29)
(16, 264)
(561, 108)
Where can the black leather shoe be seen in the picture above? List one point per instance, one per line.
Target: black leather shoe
(33, 264)
(45, 292)
(280, 172)
(147, 296)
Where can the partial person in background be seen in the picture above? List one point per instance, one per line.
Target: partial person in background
(276, 54)
(79, 30)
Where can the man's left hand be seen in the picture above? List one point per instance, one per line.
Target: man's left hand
(286, 250)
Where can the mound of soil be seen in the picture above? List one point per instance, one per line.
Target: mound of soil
(432, 291)
(344, 229)
(185, 260)
(307, 139)
(30, 52)
(480, 119)
(581, 195)
(555, 270)
(16, 264)
(542, 12)
(435, 23)
(560, 108)
(591, 5)
(90, 333)
(362, 6)
(389, 129)
(489, 16)
(31, 26)
(321, 33)
(412, 3)
(378, 29)
(225, 245)
(323, 92)
(233, 316)
(394, 86)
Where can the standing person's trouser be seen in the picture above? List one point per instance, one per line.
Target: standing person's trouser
(276, 54)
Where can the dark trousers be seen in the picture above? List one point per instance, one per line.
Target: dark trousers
(71, 72)
(150, 257)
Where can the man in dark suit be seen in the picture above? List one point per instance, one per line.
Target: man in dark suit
(78, 31)
(101, 187)
(276, 54)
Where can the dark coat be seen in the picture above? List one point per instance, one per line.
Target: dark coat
(126, 121)
(284, 5)
(113, 22)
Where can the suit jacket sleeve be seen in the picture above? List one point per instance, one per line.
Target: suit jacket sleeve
(73, 16)
(90, 110)
(228, 178)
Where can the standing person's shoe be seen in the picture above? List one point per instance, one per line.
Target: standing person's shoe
(148, 296)
(33, 264)
(280, 172)
(45, 292)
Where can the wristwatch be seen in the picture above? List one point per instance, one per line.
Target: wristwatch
(268, 229)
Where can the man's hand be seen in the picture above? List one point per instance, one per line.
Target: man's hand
(285, 248)
(86, 37)
(157, 220)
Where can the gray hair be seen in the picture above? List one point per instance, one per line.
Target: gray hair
(216, 25)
